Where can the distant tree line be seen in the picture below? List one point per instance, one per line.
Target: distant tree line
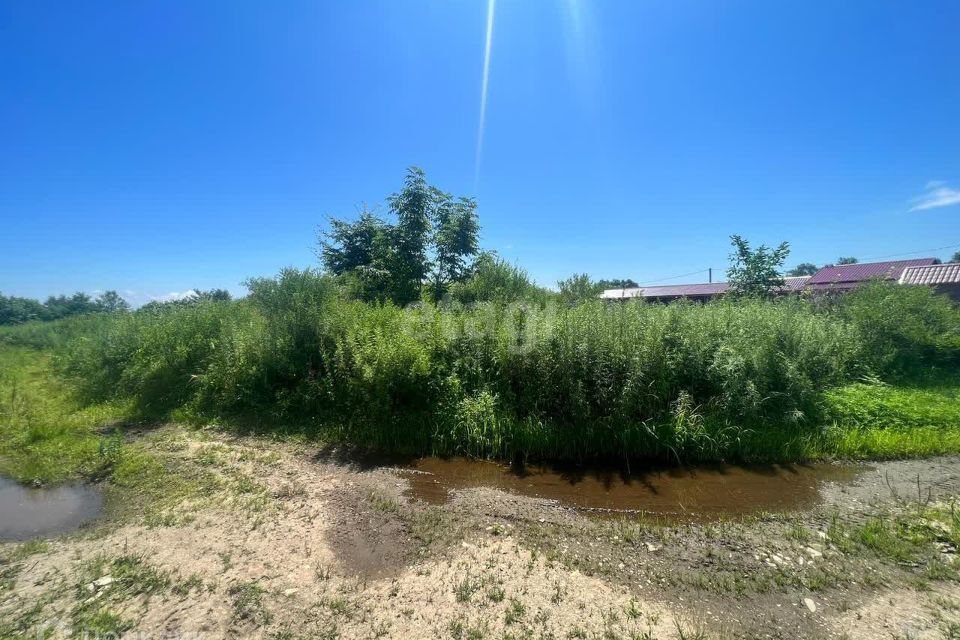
(17, 310)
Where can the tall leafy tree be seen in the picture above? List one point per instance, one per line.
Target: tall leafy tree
(409, 262)
(756, 272)
(432, 242)
(456, 240)
(847, 260)
(955, 257)
(111, 302)
(348, 245)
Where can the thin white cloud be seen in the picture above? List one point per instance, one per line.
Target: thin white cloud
(937, 194)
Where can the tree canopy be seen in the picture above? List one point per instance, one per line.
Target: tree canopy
(803, 269)
(617, 283)
(17, 310)
(756, 272)
(429, 244)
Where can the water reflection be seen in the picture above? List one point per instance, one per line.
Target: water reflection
(705, 490)
(27, 512)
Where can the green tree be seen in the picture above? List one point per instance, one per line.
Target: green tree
(349, 245)
(57, 307)
(456, 239)
(955, 257)
(111, 302)
(756, 272)
(432, 242)
(16, 310)
(847, 260)
(617, 283)
(803, 269)
(408, 262)
(577, 288)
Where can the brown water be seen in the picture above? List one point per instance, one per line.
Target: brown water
(702, 491)
(27, 512)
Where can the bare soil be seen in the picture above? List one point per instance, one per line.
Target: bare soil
(277, 540)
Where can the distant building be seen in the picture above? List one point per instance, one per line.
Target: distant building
(944, 277)
(848, 276)
(695, 292)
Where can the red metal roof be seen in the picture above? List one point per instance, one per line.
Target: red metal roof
(933, 274)
(854, 273)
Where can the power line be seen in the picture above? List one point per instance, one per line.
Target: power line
(913, 253)
(682, 275)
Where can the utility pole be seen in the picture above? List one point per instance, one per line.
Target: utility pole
(710, 271)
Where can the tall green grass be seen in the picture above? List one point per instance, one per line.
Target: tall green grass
(739, 378)
(45, 435)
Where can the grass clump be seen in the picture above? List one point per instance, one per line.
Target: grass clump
(247, 600)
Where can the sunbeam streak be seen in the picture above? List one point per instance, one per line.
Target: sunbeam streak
(491, 6)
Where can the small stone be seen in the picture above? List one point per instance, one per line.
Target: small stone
(814, 552)
(652, 548)
(810, 604)
(105, 581)
(290, 592)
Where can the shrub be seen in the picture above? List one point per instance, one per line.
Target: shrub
(493, 379)
(904, 329)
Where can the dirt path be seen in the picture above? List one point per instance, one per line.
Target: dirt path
(267, 540)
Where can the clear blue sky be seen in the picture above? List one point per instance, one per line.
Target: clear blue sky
(156, 146)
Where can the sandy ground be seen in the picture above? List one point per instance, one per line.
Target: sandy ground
(287, 542)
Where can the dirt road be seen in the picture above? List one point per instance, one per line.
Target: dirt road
(260, 539)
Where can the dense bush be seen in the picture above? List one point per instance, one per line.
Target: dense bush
(505, 379)
(904, 329)
(493, 279)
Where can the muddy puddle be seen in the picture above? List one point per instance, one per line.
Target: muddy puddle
(704, 491)
(27, 512)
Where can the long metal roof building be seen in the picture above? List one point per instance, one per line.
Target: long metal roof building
(847, 276)
(932, 274)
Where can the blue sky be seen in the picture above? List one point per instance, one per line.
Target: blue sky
(152, 147)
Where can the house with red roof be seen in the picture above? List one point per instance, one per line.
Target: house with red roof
(945, 278)
(848, 276)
